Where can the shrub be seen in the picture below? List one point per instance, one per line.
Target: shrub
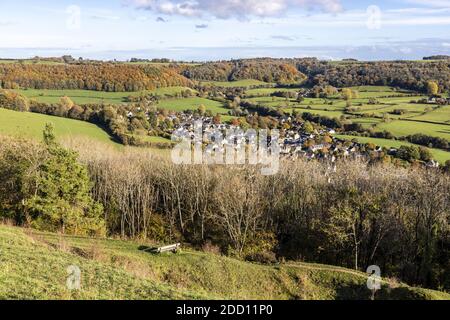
(13, 101)
(209, 247)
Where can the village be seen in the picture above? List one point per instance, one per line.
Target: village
(294, 143)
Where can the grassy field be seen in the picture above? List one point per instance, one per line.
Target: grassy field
(378, 91)
(33, 265)
(87, 96)
(268, 91)
(234, 84)
(439, 115)
(439, 155)
(154, 139)
(415, 118)
(29, 61)
(30, 125)
(192, 104)
(403, 128)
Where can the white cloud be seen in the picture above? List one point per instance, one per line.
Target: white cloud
(6, 23)
(432, 3)
(225, 9)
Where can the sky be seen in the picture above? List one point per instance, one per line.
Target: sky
(204, 30)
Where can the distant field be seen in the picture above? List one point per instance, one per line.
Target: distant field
(367, 122)
(427, 119)
(440, 115)
(410, 110)
(87, 96)
(31, 125)
(268, 91)
(327, 113)
(271, 101)
(28, 61)
(439, 155)
(404, 128)
(164, 64)
(380, 90)
(154, 139)
(192, 104)
(232, 84)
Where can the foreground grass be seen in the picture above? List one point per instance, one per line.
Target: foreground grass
(31, 269)
(33, 266)
(30, 125)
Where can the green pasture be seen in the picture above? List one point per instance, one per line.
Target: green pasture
(31, 125)
(192, 104)
(439, 155)
(95, 97)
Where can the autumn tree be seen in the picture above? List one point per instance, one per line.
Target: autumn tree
(349, 94)
(432, 88)
(217, 119)
(14, 101)
(308, 127)
(202, 109)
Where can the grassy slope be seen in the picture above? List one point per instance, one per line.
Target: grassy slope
(33, 265)
(30, 125)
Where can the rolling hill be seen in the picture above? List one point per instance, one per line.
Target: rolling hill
(30, 125)
(33, 265)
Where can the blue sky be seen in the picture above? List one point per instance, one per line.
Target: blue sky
(224, 29)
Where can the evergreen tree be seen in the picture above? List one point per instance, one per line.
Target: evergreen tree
(61, 199)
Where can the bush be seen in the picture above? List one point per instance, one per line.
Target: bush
(262, 257)
(13, 101)
(209, 247)
(260, 248)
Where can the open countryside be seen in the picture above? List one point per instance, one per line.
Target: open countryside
(380, 115)
(89, 186)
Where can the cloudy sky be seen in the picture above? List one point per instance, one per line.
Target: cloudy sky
(223, 29)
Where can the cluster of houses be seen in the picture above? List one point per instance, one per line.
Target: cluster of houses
(439, 101)
(293, 143)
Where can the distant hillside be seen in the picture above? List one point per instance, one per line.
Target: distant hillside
(267, 70)
(405, 74)
(130, 77)
(33, 265)
(98, 77)
(438, 57)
